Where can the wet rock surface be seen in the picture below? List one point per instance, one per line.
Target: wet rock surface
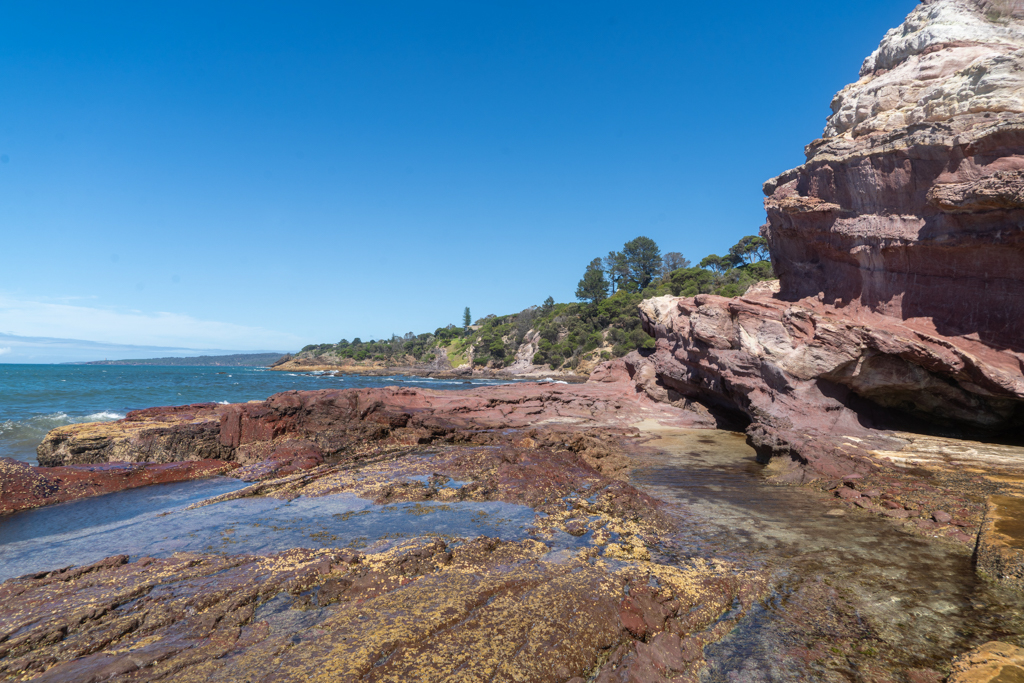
(989, 663)
(23, 486)
(854, 596)
(578, 595)
(481, 609)
(613, 574)
(1000, 553)
(295, 432)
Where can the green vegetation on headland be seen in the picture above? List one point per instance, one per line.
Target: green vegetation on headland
(603, 324)
(248, 360)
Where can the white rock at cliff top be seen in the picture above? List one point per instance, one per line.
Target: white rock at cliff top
(949, 57)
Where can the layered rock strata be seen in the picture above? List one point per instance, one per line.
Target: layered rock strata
(899, 247)
(23, 486)
(438, 614)
(797, 369)
(294, 432)
(912, 204)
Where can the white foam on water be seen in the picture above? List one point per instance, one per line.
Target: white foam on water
(103, 416)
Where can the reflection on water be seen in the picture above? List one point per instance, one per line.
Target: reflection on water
(899, 600)
(153, 521)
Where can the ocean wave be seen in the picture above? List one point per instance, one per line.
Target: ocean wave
(39, 425)
(19, 438)
(103, 416)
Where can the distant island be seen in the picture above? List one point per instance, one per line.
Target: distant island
(235, 359)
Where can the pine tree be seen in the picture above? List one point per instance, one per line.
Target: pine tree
(593, 287)
(467, 319)
(643, 260)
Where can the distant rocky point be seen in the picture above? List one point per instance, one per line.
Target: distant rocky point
(253, 360)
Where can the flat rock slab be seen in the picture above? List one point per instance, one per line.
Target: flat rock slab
(1001, 543)
(23, 486)
(999, 462)
(476, 610)
(990, 663)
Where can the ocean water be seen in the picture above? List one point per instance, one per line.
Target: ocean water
(36, 398)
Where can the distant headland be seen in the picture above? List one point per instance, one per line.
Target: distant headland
(254, 360)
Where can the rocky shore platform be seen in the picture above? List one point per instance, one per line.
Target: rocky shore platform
(819, 480)
(529, 372)
(581, 594)
(600, 586)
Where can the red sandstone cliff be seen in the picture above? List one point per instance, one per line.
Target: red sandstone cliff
(911, 205)
(900, 251)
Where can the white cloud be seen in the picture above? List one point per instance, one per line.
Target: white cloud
(5, 349)
(43, 319)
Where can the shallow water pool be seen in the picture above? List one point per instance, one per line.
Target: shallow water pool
(153, 521)
(852, 593)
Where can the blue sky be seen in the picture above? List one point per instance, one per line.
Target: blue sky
(265, 175)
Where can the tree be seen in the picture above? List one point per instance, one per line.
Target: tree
(719, 265)
(671, 261)
(750, 249)
(616, 269)
(467, 319)
(643, 261)
(549, 304)
(593, 287)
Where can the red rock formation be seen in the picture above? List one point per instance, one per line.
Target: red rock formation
(900, 251)
(912, 205)
(23, 486)
(337, 419)
(295, 431)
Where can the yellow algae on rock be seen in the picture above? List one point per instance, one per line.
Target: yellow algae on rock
(478, 610)
(990, 663)
(1000, 550)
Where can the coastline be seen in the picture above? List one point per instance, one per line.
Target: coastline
(820, 479)
(429, 371)
(600, 474)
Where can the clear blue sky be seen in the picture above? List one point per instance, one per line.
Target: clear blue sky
(265, 175)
